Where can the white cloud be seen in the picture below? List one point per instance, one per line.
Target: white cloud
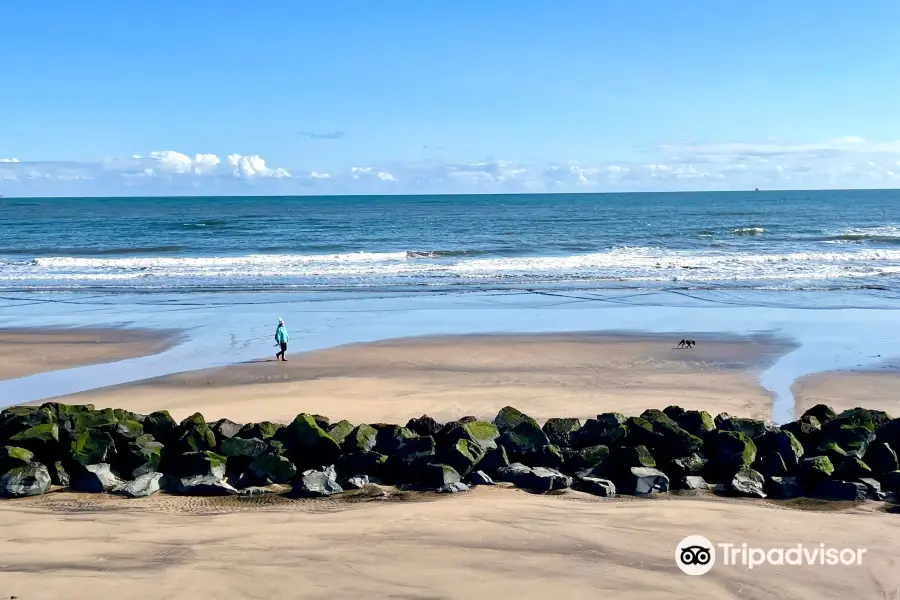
(9, 160)
(848, 162)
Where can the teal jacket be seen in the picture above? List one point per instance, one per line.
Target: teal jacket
(281, 334)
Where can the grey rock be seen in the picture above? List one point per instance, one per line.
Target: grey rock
(453, 488)
(834, 489)
(480, 478)
(596, 486)
(141, 487)
(314, 483)
(538, 479)
(32, 479)
(873, 487)
(95, 479)
(258, 490)
(746, 482)
(205, 485)
(784, 488)
(644, 480)
(226, 429)
(357, 482)
(694, 482)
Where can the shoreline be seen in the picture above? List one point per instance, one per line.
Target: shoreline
(393, 380)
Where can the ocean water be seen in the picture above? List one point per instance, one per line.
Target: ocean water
(780, 241)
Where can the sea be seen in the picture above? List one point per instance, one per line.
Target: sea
(818, 271)
(783, 241)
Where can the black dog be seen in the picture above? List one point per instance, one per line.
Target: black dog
(686, 344)
(682, 343)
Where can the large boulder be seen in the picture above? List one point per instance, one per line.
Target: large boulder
(248, 448)
(806, 430)
(590, 458)
(436, 475)
(411, 456)
(890, 482)
(480, 478)
(424, 425)
(372, 464)
(728, 451)
(225, 429)
(881, 458)
(481, 433)
(535, 479)
(463, 456)
(264, 430)
(752, 428)
(160, 425)
(595, 485)
(873, 420)
(89, 447)
(695, 422)
(392, 438)
(852, 469)
(307, 444)
(194, 464)
(30, 427)
(139, 456)
(193, 434)
(361, 438)
(771, 465)
(95, 479)
(31, 479)
(12, 457)
(782, 442)
(560, 431)
(608, 429)
(140, 487)
(272, 468)
(813, 470)
(510, 418)
(204, 485)
(527, 443)
(340, 430)
(641, 481)
(624, 457)
(834, 489)
(837, 440)
(493, 460)
(317, 483)
(746, 482)
(822, 413)
(693, 483)
(685, 466)
(784, 488)
(41, 439)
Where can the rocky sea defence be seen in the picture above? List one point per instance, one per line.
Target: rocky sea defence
(850, 456)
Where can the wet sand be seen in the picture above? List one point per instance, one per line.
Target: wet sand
(577, 375)
(848, 389)
(29, 351)
(490, 543)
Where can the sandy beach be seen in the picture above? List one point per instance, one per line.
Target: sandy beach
(29, 351)
(491, 543)
(848, 389)
(447, 377)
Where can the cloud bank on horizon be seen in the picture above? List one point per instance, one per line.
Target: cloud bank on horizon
(847, 162)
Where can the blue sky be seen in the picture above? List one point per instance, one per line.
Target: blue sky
(109, 97)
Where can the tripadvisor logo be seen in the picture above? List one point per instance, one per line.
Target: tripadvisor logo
(696, 555)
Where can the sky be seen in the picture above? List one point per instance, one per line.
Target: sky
(405, 96)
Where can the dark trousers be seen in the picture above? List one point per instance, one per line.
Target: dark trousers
(283, 350)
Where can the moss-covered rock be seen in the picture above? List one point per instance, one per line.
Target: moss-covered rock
(852, 469)
(340, 430)
(12, 457)
(243, 448)
(225, 429)
(104, 419)
(852, 440)
(264, 430)
(363, 463)
(728, 452)
(510, 418)
(655, 415)
(881, 458)
(90, 447)
(413, 453)
(206, 462)
(463, 456)
(805, 429)
(160, 425)
(194, 435)
(35, 430)
(585, 459)
(608, 429)
(822, 413)
(272, 468)
(859, 417)
(362, 438)
(672, 440)
(307, 444)
(752, 428)
(782, 442)
(494, 459)
(624, 457)
(138, 457)
(696, 422)
(479, 432)
(391, 438)
(685, 466)
(524, 441)
(814, 469)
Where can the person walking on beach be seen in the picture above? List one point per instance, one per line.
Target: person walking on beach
(281, 338)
